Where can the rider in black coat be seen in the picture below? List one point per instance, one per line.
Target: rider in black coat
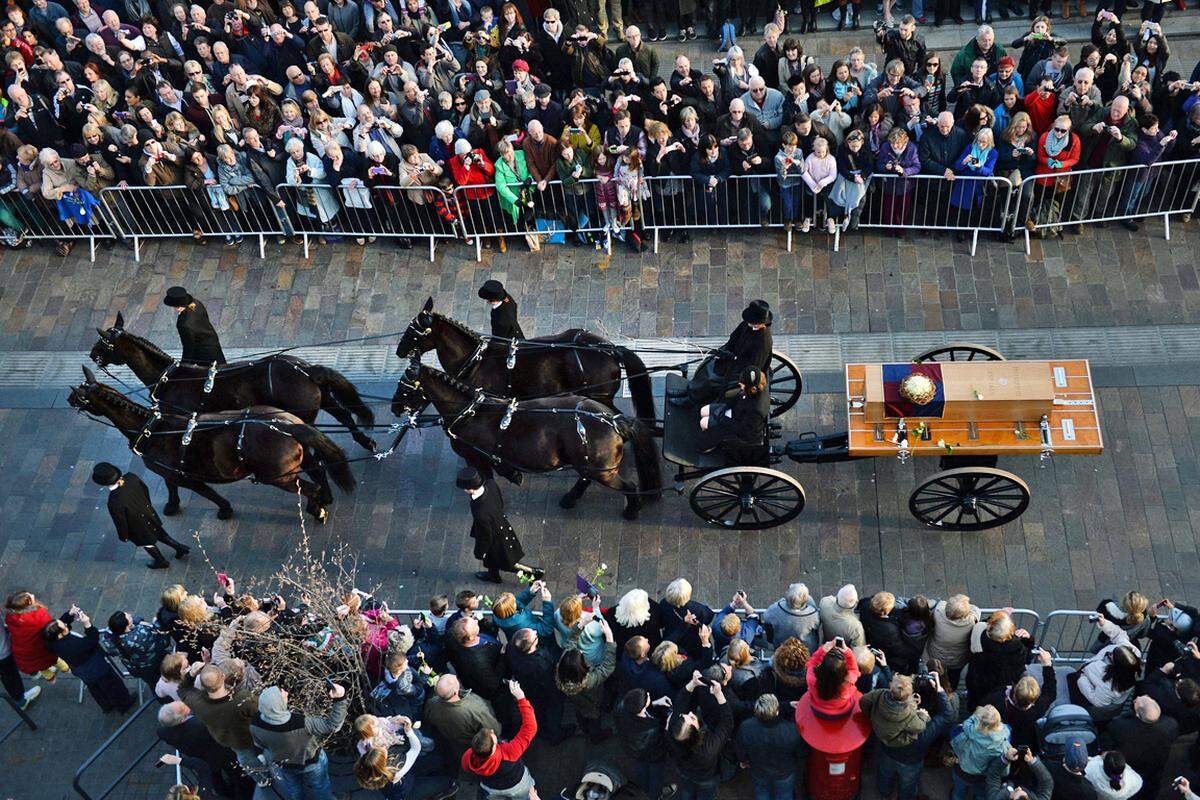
(738, 426)
(496, 543)
(749, 346)
(196, 333)
(133, 515)
(504, 310)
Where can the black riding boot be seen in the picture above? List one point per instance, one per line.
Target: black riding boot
(181, 550)
(158, 561)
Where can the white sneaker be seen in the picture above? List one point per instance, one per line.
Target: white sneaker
(830, 225)
(805, 226)
(30, 696)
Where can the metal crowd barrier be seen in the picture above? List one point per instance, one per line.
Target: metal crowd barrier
(40, 220)
(1069, 635)
(362, 212)
(77, 782)
(569, 212)
(679, 203)
(1113, 193)
(968, 204)
(169, 212)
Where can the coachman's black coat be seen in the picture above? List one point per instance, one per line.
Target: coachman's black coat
(496, 542)
(745, 348)
(133, 514)
(746, 430)
(197, 335)
(504, 320)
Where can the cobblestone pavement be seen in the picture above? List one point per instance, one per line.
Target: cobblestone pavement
(875, 284)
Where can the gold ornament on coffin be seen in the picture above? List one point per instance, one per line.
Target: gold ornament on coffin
(918, 389)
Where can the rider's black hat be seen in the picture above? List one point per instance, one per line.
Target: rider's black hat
(177, 297)
(757, 313)
(468, 478)
(105, 474)
(492, 290)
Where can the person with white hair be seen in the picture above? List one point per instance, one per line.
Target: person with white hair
(981, 45)
(304, 169)
(734, 72)
(839, 617)
(683, 617)
(794, 615)
(635, 614)
(179, 729)
(380, 130)
(953, 620)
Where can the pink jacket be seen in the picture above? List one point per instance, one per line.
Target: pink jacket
(819, 172)
(846, 700)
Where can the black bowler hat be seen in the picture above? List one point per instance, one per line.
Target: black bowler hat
(757, 313)
(468, 478)
(105, 474)
(177, 297)
(492, 290)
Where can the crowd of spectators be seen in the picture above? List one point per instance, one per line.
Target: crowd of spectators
(695, 695)
(374, 114)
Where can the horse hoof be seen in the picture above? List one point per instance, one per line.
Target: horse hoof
(517, 478)
(322, 516)
(171, 509)
(568, 500)
(630, 513)
(371, 445)
(225, 513)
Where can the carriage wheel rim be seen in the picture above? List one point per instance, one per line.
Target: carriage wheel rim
(747, 498)
(785, 385)
(969, 351)
(969, 498)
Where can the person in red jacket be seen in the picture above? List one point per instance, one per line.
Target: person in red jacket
(832, 673)
(25, 618)
(1041, 105)
(501, 770)
(1057, 153)
(473, 169)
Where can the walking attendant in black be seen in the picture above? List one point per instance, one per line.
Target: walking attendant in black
(496, 543)
(133, 515)
(749, 346)
(504, 310)
(197, 335)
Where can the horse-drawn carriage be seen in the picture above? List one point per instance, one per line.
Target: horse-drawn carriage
(980, 407)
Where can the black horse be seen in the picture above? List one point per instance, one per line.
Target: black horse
(260, 442)
(571, 362)
(281, 381)
(513, 437)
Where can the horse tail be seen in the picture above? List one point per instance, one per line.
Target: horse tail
(639, 383)
(645, 455)
(329, 456)
(335, 387)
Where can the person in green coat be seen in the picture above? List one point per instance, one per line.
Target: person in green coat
(511, 174)
(982, 45)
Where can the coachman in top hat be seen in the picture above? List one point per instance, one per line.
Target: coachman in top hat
(196, 333)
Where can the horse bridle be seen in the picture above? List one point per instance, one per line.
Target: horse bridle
(108, 345)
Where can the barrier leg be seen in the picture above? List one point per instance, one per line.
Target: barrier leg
(92, 248)
(1166, 226)
(306, 245)
(1027, 241)
(837, 238)
(656, 240)
(137, 249)
(789, 242)
(262, 246)
(974, 240)
(431, 241)
(608, 241)
(478, 249)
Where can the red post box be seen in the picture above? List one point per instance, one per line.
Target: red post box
(835, 763)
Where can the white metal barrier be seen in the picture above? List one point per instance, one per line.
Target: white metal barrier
(559, 209)
(40, 220)
(1087, 196)
(967, 204)
(361, 211)
(169, 212)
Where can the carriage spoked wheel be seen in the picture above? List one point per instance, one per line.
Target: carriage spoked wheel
(960, 352)
(747, 498)
(969, 499)
(785, 385)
